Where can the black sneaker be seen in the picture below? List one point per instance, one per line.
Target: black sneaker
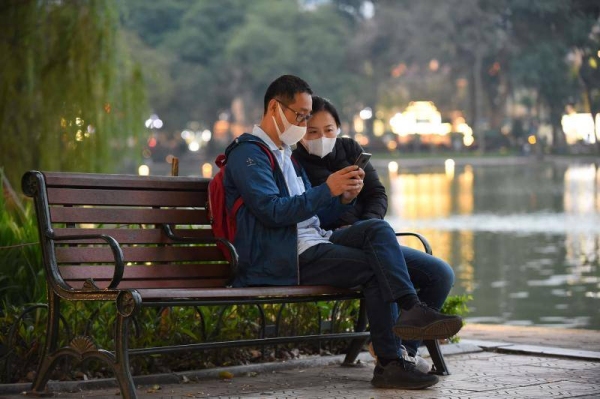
(399, 374)
(422, 322)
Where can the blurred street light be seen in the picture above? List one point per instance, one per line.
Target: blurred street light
(143, 170)
(366, 113)
(154, 122)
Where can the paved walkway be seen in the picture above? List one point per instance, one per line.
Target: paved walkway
(514, 364)
(566, 338)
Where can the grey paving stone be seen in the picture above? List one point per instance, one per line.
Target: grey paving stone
(478, 375)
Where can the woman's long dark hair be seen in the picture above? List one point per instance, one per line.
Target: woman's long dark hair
(322, 104)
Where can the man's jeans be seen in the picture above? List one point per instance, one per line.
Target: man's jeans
(367, 254)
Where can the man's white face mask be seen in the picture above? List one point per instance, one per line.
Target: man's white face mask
(292, 133)
(321, 146)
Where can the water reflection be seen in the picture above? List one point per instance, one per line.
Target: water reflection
(524, 240)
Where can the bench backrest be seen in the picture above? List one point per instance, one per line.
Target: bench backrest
(131, 209)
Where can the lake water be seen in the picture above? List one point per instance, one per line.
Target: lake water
(524, 240)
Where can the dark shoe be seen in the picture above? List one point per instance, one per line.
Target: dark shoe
(399, 374)
(422, 322)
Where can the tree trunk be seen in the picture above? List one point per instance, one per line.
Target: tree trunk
(558, 137)
(477, 99)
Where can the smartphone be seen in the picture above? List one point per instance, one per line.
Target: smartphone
(362, 160)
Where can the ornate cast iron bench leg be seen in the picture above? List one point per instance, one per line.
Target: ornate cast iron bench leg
(121, 364)
(48, 357)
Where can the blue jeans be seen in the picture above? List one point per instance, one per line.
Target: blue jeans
(367, 254)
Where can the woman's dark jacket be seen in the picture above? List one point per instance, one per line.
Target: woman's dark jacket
(372, 200)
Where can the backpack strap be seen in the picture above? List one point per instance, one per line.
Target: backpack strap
(239, 201)
(297, 166)
(267, 151)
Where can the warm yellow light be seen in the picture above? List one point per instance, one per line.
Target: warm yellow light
(378, 128)
(434, 65)
(420, 117)
(396, 123)
(449, 167)
(393, 167)
(392, 145)
(468, 140)
(531, 140)
(464, 129)
(362, 139)
(446, 128)
(207, 170)
(143, 170)
(580, 127)
(359, 125)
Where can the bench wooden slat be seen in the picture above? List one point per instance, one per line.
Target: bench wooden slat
(133, 235)
(191, 271)
(156, 276)
(84, 196)
(203, 283)
(320, 291)
(127, 216)
(103, 254)
(94, 181)
(158, 284)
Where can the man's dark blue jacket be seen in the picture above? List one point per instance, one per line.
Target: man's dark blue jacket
(267, 235)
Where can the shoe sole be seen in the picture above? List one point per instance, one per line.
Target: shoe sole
(390, 385)
(438, 330)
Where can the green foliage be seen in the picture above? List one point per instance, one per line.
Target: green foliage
(21, 276)
(456, 305)
(70, 98)
(154, 20)
(208, 55)
(217, 52)
(21, 329)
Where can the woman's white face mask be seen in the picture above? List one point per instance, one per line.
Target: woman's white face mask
(291, 133)
(321, 134)
(321, 146)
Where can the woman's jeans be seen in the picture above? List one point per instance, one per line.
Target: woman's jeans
(368, 255)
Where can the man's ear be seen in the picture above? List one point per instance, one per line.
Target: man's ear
(273, 106)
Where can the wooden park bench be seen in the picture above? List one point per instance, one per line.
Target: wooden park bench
(146, 241)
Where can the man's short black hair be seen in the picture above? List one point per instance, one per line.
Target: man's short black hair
(285, 88)
(322, 104)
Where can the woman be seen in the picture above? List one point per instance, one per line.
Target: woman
(322, 152)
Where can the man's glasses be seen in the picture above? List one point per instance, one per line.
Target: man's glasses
(299, 117)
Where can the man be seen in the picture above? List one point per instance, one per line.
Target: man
(280, 242)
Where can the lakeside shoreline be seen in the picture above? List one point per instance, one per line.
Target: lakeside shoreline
(484, 160)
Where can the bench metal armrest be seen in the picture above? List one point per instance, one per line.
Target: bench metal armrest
(114, 246)
(196, 240)
(423, 240)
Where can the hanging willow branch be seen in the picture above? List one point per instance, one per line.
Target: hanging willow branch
(70, 97)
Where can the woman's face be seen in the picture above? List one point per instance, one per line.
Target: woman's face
(321, 124)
